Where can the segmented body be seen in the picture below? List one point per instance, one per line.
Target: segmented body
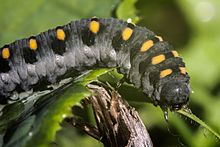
(143, 57)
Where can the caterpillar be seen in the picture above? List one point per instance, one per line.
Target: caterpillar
(145, 59)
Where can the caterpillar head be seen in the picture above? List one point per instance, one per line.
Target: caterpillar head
(173, 94)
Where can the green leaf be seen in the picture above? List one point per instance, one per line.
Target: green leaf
(126, 10)
(15, 112)
(10, 113)
(24, 128)
(199, 121)
(48, 121)
(42, 131)
(127, 91)
(40, 15)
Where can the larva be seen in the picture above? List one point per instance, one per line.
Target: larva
(139, 54)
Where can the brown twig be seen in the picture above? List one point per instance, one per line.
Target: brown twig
(118, 124)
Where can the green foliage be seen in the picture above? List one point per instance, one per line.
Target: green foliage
(127, 10)
(44, 129)
(196, 119)
(10, 113)
(39, 130)
(203, 63)
(32, 17)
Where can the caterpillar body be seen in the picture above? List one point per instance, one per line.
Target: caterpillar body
(139, 54)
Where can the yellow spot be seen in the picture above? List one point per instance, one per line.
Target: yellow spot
(146, 45)
(60, 34)
(5, 53)
(157, 59)
(126, 34)
(182, 70)
(165, 73)
(94, 26)
(159, 37)
(175, 54)
(33, 44)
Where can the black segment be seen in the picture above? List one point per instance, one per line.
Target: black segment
(144, 64)
(178, 62)
(154, 77)
(155, 40)
(94, 19)
(29, 54)
(4, 63)
(169, 55)
(88, 37)
(176, 69)
(130, 25)
(117, 41)
(58, 46)
(174, 65)
(3, 100)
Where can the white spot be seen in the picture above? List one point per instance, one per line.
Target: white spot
(59, 60)
(112, 54)
(128, 65)
(14, 96)
(5, 77)
(30, 134)
(31, 69)
(129, 20)
(87, 50)
(24, 101)
(205, 11)
(64, 116)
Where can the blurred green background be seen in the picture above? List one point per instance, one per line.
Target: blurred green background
(192, 26)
